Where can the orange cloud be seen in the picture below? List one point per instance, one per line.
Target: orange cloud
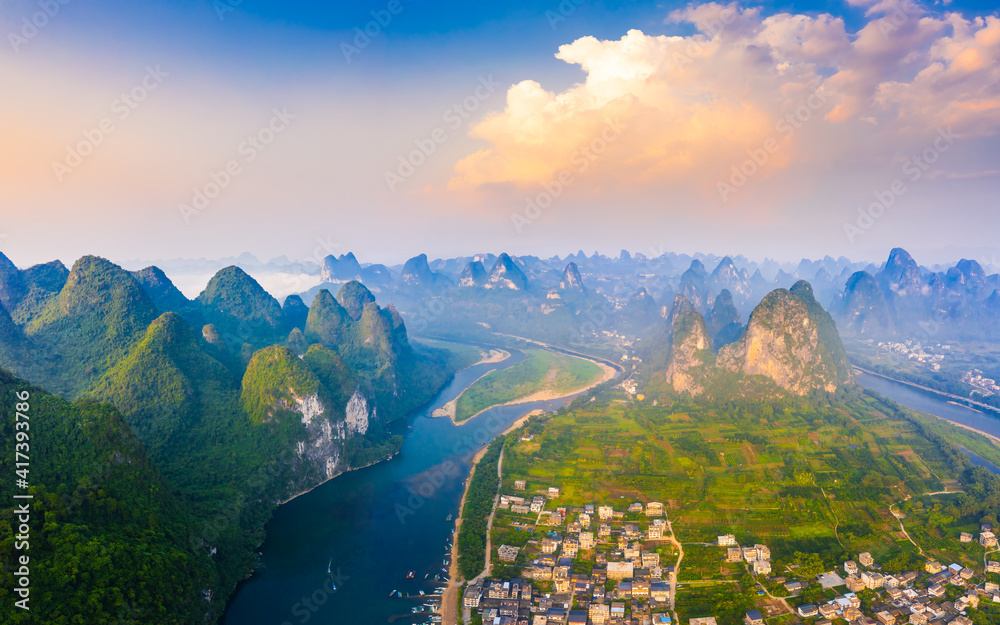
(694, 106)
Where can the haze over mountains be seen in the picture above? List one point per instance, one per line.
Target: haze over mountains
(867, 300)
(205, 391)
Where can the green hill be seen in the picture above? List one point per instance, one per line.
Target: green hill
(110, 543)
(328, 321)
(273, 380)
(241, 310)
(100, 314)
(166, 384)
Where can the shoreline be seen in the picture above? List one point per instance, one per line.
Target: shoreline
(448, 410)
(449, 599)
(992, 411)
(345, 471)
(607, 373)
(450, 615)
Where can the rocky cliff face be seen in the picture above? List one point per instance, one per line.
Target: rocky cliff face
(341, 269)
(474, 274)
(506, 275)
(789, 344)
(782, 343)
(277, 385)
(323, 448)
(571, 279)
(691, 356)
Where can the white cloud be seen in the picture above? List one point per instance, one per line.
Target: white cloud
(694, 105)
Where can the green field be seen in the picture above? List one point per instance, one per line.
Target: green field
(462, 355)
(542, 370)
(802, 478)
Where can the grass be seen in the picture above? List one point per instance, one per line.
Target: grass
(542, 370)
(782, 475)
(462, 355)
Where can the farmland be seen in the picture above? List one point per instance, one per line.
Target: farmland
(817, 482)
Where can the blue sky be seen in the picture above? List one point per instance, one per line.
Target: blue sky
(355, 121)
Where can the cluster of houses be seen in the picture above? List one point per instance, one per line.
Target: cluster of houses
(565, 579)
(625, 582)
(758, 557)
(917, 598)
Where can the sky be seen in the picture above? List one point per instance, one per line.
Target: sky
(198, 128)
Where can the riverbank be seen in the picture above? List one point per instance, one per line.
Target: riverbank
(495, 356)
(607, 373)
(345, 471)
(965, 402)
(449, 601)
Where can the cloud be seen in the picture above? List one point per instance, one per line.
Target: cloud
(694, 105)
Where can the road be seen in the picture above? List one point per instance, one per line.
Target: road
(781, 599)
(899, 517)
(677, 570)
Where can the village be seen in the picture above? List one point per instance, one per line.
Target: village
(601, 566)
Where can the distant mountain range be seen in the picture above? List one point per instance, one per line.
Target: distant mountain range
(193, 397)
(902, 299)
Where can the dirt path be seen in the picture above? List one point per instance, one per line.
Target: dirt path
(899, 517)
(836, 525)
(677, 570)
(779, 599)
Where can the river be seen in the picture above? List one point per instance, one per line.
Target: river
(931, 403)
(371, 526)
(934, 404)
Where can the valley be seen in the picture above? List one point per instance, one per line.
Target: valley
(500, 313)
(284, 436)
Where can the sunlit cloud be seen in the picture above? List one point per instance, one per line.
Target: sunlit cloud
(695, 105)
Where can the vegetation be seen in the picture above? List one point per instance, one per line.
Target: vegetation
(814, 480)
(99, 316)
(541, 370)
(275, 377)
(144, 508)
(110, 543)
(476, 511)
